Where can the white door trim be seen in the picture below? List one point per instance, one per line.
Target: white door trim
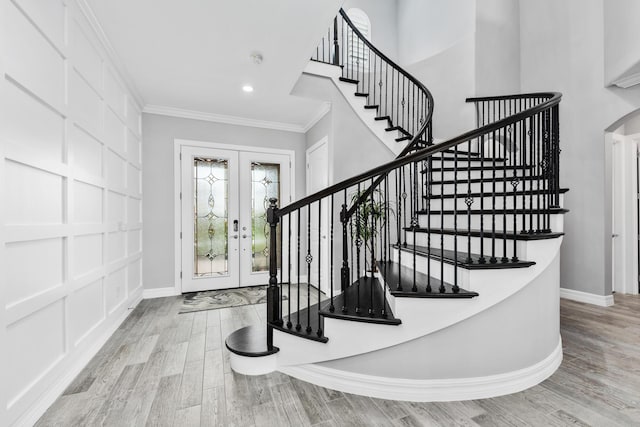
(625, 214)
(325, 211)
(177, 226)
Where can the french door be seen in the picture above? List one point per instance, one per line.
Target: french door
(225, 234)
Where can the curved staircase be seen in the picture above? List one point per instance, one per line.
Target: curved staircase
(444, 263)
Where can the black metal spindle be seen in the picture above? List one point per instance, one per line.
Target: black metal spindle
(399, 225)
(372, 233)
(319, 331)
(441, 288)
(358, 246)
(531, 168)
(331, 242)
(308, 259)
(414, 224)
(493, 258)
(298, 325)
(289, 324)
(455, 288)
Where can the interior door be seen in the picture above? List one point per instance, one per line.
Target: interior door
(224, 200)
(318, 179)
(210, 245)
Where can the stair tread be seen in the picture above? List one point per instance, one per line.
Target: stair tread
(348, 80)
(497, 211)
(349, 298)
(449, 257)
(362, 94)
(313, 321)
(371, 107)
(250, 341)
(510, 235)
(394, 273)
(398, 128)
(403, 138)
(383, 118)
(462, 195)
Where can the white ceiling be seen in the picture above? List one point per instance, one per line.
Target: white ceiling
(195, 54)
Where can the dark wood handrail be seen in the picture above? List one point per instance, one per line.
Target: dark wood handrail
(553, 99)
(415, 138)
(383, 56)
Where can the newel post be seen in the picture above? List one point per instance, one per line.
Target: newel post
(344, 271)
(273, 293)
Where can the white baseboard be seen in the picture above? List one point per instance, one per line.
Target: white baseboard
(433, 390)
(159, 292)
(579, 296)
(33, 414)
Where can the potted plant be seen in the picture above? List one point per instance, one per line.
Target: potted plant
(370, 217)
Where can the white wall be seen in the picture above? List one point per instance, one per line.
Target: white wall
(383, 17)
(562, 49)
(71, 235)
(436, 44)
(158, 180)
(497, 47)
(450, 77)
(428, 27)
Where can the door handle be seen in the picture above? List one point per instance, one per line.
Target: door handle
(244, 236)
(235, 236)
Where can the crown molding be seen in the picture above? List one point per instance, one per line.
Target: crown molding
(91, 18)
(221, 118)
(322, 111)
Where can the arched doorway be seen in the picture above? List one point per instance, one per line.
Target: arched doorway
(623, 138)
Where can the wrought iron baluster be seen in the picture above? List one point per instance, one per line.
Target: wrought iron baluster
(493, 258)
(372, 233)
(414, 223)
(332, 241)
(399, 224)
(298, 325)
(319, 331)
(358, 246)
(289, 324)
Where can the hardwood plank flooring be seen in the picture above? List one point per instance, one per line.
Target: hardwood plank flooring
(161, 368)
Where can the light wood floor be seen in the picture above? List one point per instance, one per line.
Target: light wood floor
(161, 368)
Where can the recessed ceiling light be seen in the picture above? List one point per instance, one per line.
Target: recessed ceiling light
(247, 88)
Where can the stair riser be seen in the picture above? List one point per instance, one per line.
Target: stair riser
(528, 202)
(555, 222)
(448, 240)
(448, 270)
(463, 162)
(476, 174)
(486, 187)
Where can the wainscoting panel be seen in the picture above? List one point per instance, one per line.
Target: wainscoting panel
(70, 241)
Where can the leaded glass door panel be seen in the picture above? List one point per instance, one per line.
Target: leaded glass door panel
(263, 176)
(210, 246)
